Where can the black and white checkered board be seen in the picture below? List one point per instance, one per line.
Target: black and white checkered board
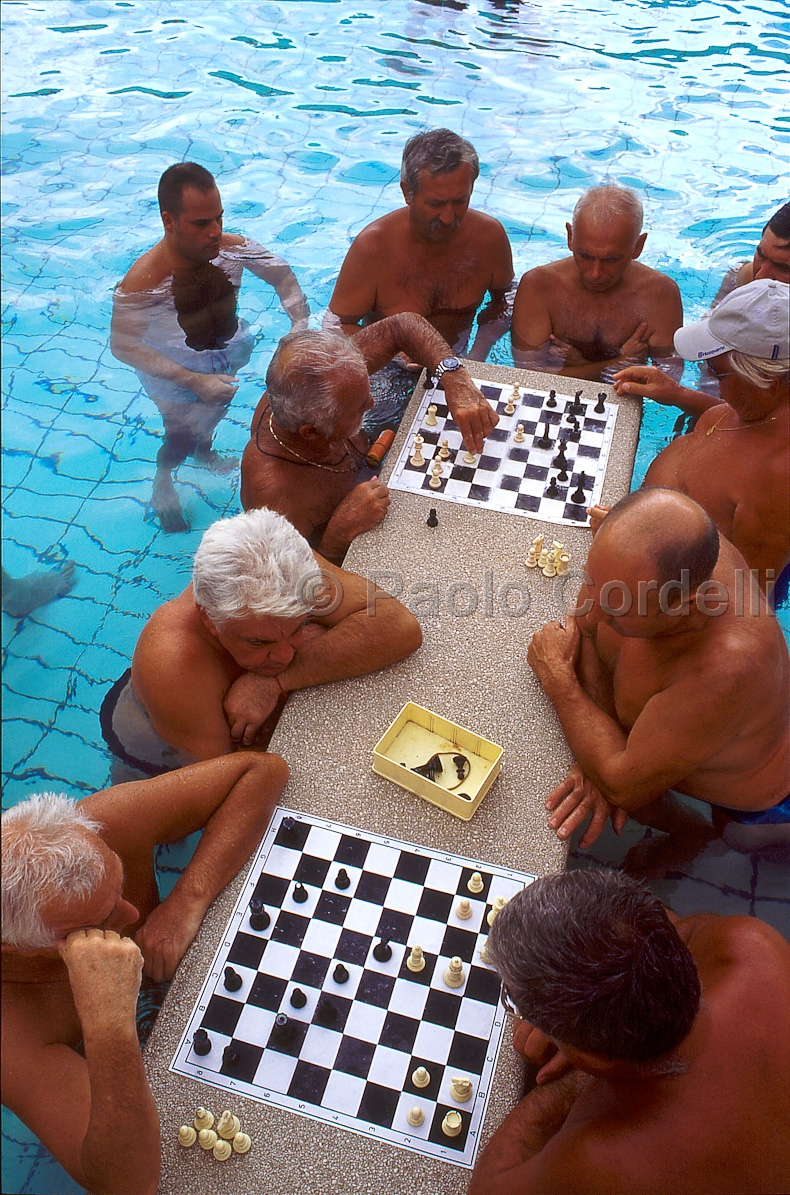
(357, 1074)
(510, 476)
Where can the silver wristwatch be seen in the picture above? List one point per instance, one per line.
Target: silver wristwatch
(446, 365)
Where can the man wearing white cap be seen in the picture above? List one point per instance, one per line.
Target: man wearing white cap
(734, 463)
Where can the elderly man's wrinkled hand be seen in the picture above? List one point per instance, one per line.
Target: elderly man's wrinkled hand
(539, 1050)
(636, 347)
(104, 972)
(575, 799)
(363, 508)
(553, 649)
(649, 381)
(166, 936)
(247, 705)
(475, 417)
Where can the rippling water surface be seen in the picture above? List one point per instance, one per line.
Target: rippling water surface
(301, 111)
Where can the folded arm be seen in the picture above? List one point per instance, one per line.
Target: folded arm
(274, 270)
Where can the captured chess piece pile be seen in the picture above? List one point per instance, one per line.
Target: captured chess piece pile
(552, 562)
(223, 1141)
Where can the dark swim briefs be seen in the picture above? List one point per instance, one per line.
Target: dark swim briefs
(777, 815)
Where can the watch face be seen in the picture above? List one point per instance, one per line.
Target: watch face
(451, 363)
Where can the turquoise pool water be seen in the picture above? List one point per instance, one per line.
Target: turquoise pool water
(301, 111)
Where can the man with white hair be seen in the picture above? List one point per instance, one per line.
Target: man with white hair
(600, 309)
(81, 921)
(264, 616)
(740, 480)
(307, 447)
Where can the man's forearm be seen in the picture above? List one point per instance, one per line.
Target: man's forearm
(121, 1148)
(404, 333)
(361, 643)
(525, 1132)
(147, 360)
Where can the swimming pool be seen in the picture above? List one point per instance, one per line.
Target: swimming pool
(301, 111)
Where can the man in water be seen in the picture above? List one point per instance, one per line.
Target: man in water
(264, 616)
(595, 312)
(741, 479)
(307, 449)
(671, 675)
(175, 322)
(75, 876)
(655, 1036)
(436, 257)
(771, 257)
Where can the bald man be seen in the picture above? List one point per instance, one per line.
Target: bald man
(599, 310)
(671, 674)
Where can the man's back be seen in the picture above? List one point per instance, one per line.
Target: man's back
(720, 1127)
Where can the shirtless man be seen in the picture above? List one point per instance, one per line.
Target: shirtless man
(258, 621)
(75, 876)
(174, 321)
(740, 480)
(771, 257)
(659, 689)
(588, 315)
(663, 1043)
(306, 448)
(437, 256)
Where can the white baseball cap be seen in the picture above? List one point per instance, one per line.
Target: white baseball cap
(753, 319)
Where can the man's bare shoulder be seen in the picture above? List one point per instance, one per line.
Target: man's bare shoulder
(232, 240)
(554, 275)
(378, 235)
(485, 227)
(583, 1159)
(148, 272)
(645, 278)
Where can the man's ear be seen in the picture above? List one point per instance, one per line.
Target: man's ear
(169, 221)
(407, 195)
(207, 623)
(639, 245)
(310, 433)
(569, 229)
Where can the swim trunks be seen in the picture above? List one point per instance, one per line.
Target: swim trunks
(777, 815)
(129, 733)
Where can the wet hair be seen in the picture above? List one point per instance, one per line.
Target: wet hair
(759, 370)
(46, 852)
(256, 563)
(439, 151)
(592, 960)
(689, 541)
(779, 224)
(303, 374)
(176, 178)
(605, 203)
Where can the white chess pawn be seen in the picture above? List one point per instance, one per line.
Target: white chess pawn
(444, 451)
(435, 480)
(241, 1143)
(510, 408)
(186, 1136)
(430, 419)
(207, 1139)
(464, 909)
(421, 1078)
(543, 559)
(549, 569)
(454, 976)
(469, 458)
(222, 1151)
(532, 559)
(519, 436)
(475, 883)
(416, 960)
(415, 1117)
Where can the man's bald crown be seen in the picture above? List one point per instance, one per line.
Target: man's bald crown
(666, 531)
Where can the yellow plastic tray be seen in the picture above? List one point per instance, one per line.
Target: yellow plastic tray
(415, 735)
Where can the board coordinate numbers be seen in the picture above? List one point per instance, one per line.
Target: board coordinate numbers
(319, 1010)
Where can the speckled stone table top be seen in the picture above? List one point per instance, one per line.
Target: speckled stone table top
(472, 669)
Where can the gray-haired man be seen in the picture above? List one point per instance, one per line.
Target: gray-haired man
(81, 920)
(264, 615)
(307, 449)
(663, 1043)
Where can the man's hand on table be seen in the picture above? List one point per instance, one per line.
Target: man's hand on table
(574, 800)
(553, 651)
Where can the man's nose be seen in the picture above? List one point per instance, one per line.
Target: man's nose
(764, 270)
(281, 653)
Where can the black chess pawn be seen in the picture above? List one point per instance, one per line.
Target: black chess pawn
(600, 408)
(545, 439)
(562, 476)
(232, 980)
(288, 830)
(201, 1042)
(551, 401)
(325, 1011)
(552, 491)
(382, 951)
(432, 520)
(340, 974)
(230, 1056)
(578, 497)
(300, 894)
(259, 918)
(298, 998)
(342, 880)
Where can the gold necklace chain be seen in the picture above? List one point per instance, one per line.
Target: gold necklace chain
(744, 427)
(317, 464)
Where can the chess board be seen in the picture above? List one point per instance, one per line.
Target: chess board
(513, 476)
(356, 1074)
